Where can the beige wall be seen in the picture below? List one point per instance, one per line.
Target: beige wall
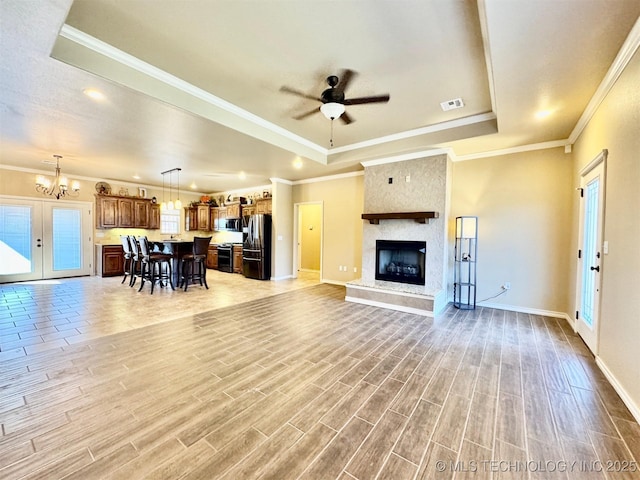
(616, 127)
(282, 237)
(342, 200)
(310, 236)
(523, 204)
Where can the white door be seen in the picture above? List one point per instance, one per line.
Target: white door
(44, 239)
(590, 251)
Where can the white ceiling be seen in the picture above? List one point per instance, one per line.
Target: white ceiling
(196, 84)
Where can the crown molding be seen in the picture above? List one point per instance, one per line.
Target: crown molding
(407, 156)
(328, 178)
(508, 151)
(280, 180)
(627, 51)
(85, 40)
(438, 127)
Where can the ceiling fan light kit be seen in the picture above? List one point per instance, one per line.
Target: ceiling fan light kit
(332, 110)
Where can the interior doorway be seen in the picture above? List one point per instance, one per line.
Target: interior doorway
(42, 239)
(590, 251)
(308, 245)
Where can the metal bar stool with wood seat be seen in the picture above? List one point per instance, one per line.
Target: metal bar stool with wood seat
(128, 259)
(193, 265)
(155, 267)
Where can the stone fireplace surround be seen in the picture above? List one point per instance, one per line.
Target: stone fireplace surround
(416, 185)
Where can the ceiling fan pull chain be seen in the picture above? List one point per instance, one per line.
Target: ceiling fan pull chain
(331, 139)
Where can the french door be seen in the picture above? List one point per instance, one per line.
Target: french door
(592, 186)
(44, 239)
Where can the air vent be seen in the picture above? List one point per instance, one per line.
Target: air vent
(452, 104)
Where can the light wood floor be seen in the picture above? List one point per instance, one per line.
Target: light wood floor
(286, 381)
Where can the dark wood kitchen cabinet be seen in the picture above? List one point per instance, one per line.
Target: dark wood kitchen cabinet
(109, 260)
(107, 212)
(141, 213)
(237, 259)
(126, 215)
(154, 216)
(212, 257)
(125, 212)
(204, 218)
(198, 217)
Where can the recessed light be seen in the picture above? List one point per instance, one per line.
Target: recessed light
(193, 186)
(137, 177)
(297, 163)
(242, 175)
(541, 114)
(94, 94)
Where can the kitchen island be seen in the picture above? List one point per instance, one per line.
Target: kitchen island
(177, 249)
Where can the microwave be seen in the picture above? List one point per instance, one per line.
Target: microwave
(230, 225)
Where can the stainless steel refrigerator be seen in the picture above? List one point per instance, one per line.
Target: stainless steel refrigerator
(256, 249)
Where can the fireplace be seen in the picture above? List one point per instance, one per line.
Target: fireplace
(401, 261)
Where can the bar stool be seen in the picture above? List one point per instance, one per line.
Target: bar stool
(136, 260)
(128, 259)
(155, 267)
(193, 265)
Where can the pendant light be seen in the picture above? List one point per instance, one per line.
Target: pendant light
(163, 205)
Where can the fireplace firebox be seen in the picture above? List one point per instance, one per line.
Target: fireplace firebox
(401, 261)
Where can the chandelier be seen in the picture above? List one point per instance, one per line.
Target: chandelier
(59, 187)
(171, 205)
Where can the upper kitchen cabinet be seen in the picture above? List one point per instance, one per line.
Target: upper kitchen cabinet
(233, 210)
(124, 212)
(154, 216)
(198, 217)
(263, 205)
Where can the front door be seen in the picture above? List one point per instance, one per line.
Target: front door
(44, 239)
(590, 251)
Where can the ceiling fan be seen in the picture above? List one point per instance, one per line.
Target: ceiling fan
(333, 98)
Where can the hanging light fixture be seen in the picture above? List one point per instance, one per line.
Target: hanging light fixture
(59, 187)
(171, 205)
(178, 204)
(163, 204)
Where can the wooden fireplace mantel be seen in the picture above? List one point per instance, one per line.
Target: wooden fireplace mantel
(419, 217)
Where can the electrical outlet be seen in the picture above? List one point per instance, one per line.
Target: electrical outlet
(506, 286)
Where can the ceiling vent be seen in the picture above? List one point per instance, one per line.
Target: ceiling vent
(452, 104)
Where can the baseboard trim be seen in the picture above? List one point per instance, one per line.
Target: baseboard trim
(390, 306)
(283, 277)
(516, 308)
(626, 398)
(333, 282)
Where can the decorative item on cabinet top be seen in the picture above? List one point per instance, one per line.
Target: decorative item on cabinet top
(103, 188)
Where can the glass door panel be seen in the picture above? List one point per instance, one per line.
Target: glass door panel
(20, 240)
(67, 250)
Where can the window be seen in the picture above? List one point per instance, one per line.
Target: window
(170, 222)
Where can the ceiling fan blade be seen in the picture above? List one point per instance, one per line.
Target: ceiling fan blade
(293, 91)
(346, 118)
(307, 114)
(373, 99)
(345, 77)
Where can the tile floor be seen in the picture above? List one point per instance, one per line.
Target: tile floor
(286, 380)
